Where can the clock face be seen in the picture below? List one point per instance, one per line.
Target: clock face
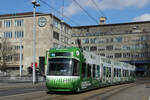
(42, 21)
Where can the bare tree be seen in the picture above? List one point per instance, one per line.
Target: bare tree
(6, 53)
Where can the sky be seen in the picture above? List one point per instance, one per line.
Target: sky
(84, 12)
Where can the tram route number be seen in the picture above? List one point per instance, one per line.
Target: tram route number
(85, 84)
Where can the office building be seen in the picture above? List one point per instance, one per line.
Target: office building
(18, 28)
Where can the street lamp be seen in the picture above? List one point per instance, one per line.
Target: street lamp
(35, 4)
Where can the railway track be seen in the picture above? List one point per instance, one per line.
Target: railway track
(96, 94)
(43, 95)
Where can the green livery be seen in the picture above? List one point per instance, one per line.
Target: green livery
(71, 69)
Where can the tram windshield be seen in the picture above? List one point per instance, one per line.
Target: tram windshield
(63, 67)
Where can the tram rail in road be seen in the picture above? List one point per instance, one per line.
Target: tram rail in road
(98, 94)
(31, 94)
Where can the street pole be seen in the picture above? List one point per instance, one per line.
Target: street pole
(35, 4)
(20, 56)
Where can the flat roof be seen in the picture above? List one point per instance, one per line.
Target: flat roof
(102, 25)
(28, 14)
(18, 14)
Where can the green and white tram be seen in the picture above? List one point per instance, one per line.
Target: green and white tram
(71, 69)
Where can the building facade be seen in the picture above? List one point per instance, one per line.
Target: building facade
(18, 29)
(126, 42)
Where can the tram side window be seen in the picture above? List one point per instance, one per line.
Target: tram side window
(104, 71)
(94, 70)
(123, 73)
(98, 71)
(83, 70)
(89, 70)
(109, 71)
(76, 65)
(119, 72)
(132, 73)
(114, 72)
(127, 73)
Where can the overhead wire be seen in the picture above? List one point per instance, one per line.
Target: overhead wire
(59, 12)
(99, 10)
(86, 12)
(97, 7)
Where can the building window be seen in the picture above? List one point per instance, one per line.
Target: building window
(57, 24)
(118, 39)
(86, 48)
(62, 38)
(101, 40)
(117, 48)
(19, 34)
(118, 55)
(102, 54)
(56, 35)
(18, 47)
(124, 47)
(109, 47)
(66, 30)
(19, 22)
(86, 41)
(100, 48)
(93, 48)
(7, 23)
(7, 34)
(126, 55)
(66, 39)
(109, 40)
(144, 38)
(110, 56)
(8, 58)
(93, 40)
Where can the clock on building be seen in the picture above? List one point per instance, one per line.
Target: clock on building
(42, 21)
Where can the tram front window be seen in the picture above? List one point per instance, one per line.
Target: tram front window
(63, 67)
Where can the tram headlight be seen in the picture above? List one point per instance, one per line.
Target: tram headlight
(77, 53)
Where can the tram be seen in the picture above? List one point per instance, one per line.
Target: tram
(72, 69)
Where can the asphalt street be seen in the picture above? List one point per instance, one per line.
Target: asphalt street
(138, 92)
(15, 91)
